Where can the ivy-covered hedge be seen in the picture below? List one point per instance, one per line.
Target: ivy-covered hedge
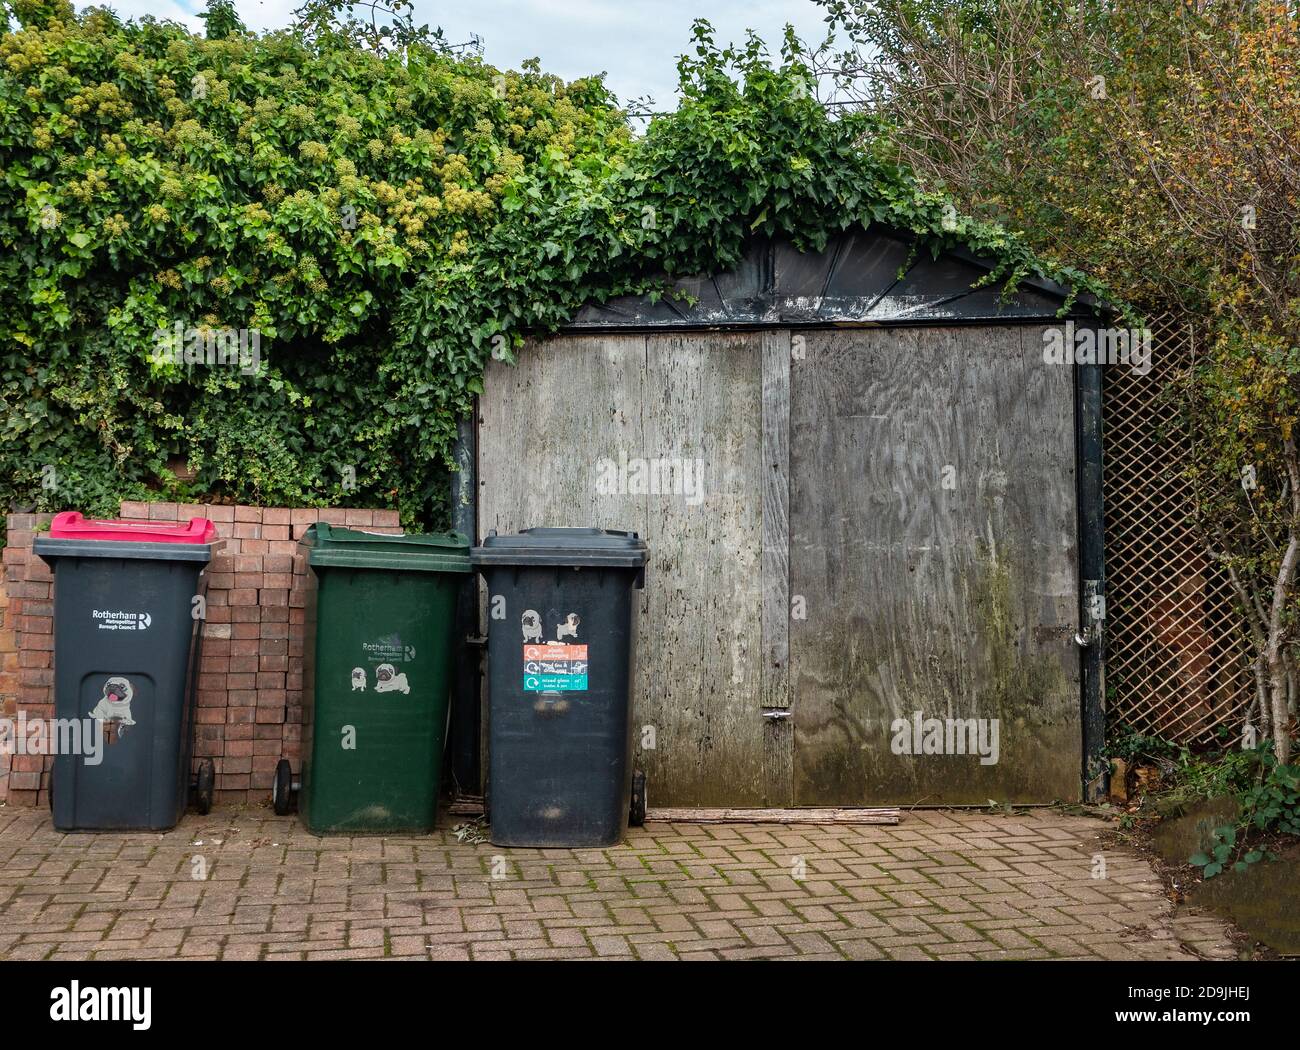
(380, 225)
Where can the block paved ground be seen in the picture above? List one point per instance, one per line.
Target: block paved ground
(245, 884)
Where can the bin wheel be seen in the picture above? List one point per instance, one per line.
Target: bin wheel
(636, 817)
(203, 786)
(282, 788)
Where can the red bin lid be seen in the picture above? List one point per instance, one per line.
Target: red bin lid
(72, 525)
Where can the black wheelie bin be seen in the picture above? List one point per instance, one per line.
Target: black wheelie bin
(561, 659)
(128, 609)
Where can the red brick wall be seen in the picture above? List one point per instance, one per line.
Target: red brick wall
(8, 676)
(27, 675)
(9, 668)
(249, 704)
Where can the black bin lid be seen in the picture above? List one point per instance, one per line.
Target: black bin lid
(50, 549)
(598, 548)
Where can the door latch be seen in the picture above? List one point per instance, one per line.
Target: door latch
(1093, 614)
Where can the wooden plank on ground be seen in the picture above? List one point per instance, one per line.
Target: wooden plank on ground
(685, 815)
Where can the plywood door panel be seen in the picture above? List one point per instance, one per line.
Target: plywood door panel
(703, 634)
(574, 407)
(544, 425)
(933, 546)
(778, 735)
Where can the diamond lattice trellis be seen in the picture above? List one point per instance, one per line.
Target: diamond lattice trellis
(1177, 661)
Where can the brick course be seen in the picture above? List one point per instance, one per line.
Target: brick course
(249, 695)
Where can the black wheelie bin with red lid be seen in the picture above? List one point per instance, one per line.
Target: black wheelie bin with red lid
(128, 613)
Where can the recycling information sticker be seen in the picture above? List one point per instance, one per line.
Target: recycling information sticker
(555, 668)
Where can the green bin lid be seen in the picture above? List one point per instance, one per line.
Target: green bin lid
(334, 547)
(599, 548)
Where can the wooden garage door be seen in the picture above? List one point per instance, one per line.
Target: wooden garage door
(933, 556)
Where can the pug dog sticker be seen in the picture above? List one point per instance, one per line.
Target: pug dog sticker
(532, 626)
(388, 679)
(358, 679)
(114, 707)
(568, 629)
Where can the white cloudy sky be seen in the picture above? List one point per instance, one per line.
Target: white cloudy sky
(635, 41)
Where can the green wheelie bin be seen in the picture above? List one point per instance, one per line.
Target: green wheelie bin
(376, 673)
